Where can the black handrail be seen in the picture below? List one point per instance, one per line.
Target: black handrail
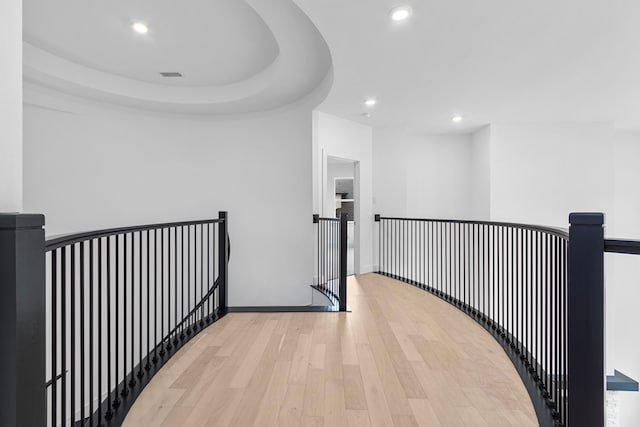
(58, 241)
(556, 231)
(144, 291)
(631, 247)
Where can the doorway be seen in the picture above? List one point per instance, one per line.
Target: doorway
(340, 189)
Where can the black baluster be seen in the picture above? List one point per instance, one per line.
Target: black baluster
(485, 273)
(521, 287)
(109, 412)
(125, 372)
(208, 279)
(447, 234)
(154, 340)
(175, 286)
(182, 275)
(189, 283)
(527, 302)
(547, 328)
(513, 308)
(147, 366)
(503, 280)
(423, 254)
(213, 267)
(396, 247)
(460, 266)
(132, 379)
(140, 268)
(91, 331)
(99, 331)
(473, 271)
(536, 315)
(54, 337)
(72, 315)
(530, 308)
(63, 332)
(116, 398)
(82, 337)
(162, 351)
(494, 279)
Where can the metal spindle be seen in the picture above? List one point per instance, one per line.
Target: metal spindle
(63, 332)
(162, 351)
(82, 333)
(108, 413)
(72, 292)
(54, 338)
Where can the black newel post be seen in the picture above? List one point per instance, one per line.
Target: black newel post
(223, 258)
(22, 320)
(343, 261)
(585, 325)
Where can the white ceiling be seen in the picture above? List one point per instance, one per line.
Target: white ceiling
(236, 56)
(488, 60)
(209, 42)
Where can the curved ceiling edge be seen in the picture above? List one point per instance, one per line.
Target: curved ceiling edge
(303, 63)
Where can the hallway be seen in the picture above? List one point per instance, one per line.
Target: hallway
(402, 357)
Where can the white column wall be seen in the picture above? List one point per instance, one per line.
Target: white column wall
(91, 166)
(11, 106)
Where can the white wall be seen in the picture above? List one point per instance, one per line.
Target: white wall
(481, 174)
(11, 106)
(623, 272)
(542, 172)
(422, 176)
(90, 166)
(342, 138)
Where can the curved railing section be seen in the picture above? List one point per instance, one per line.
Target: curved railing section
(120, 304)
(331, 262)
(510, 278)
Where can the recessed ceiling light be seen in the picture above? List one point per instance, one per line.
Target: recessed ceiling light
(140, 28)
(370, 102)
(456, 119)
(400, 13)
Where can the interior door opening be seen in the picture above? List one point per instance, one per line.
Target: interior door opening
(341, 195)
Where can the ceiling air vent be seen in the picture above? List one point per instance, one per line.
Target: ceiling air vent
(171, 74)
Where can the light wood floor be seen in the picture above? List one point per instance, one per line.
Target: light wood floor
(401, 358)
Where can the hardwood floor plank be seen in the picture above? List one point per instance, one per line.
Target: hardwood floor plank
(270, 408)
(292, 406)
(314, 393)
(300, 363)
(354, 395)
(335, 413)
(424, 413)
(379, 413)
(254, 355)
(358, 418)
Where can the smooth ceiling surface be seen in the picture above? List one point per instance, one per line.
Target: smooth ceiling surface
(209, 42)
(490, 61)
(235, 56)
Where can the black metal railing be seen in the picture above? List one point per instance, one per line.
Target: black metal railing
(331, 278)
(120, 303)
(511, 278)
